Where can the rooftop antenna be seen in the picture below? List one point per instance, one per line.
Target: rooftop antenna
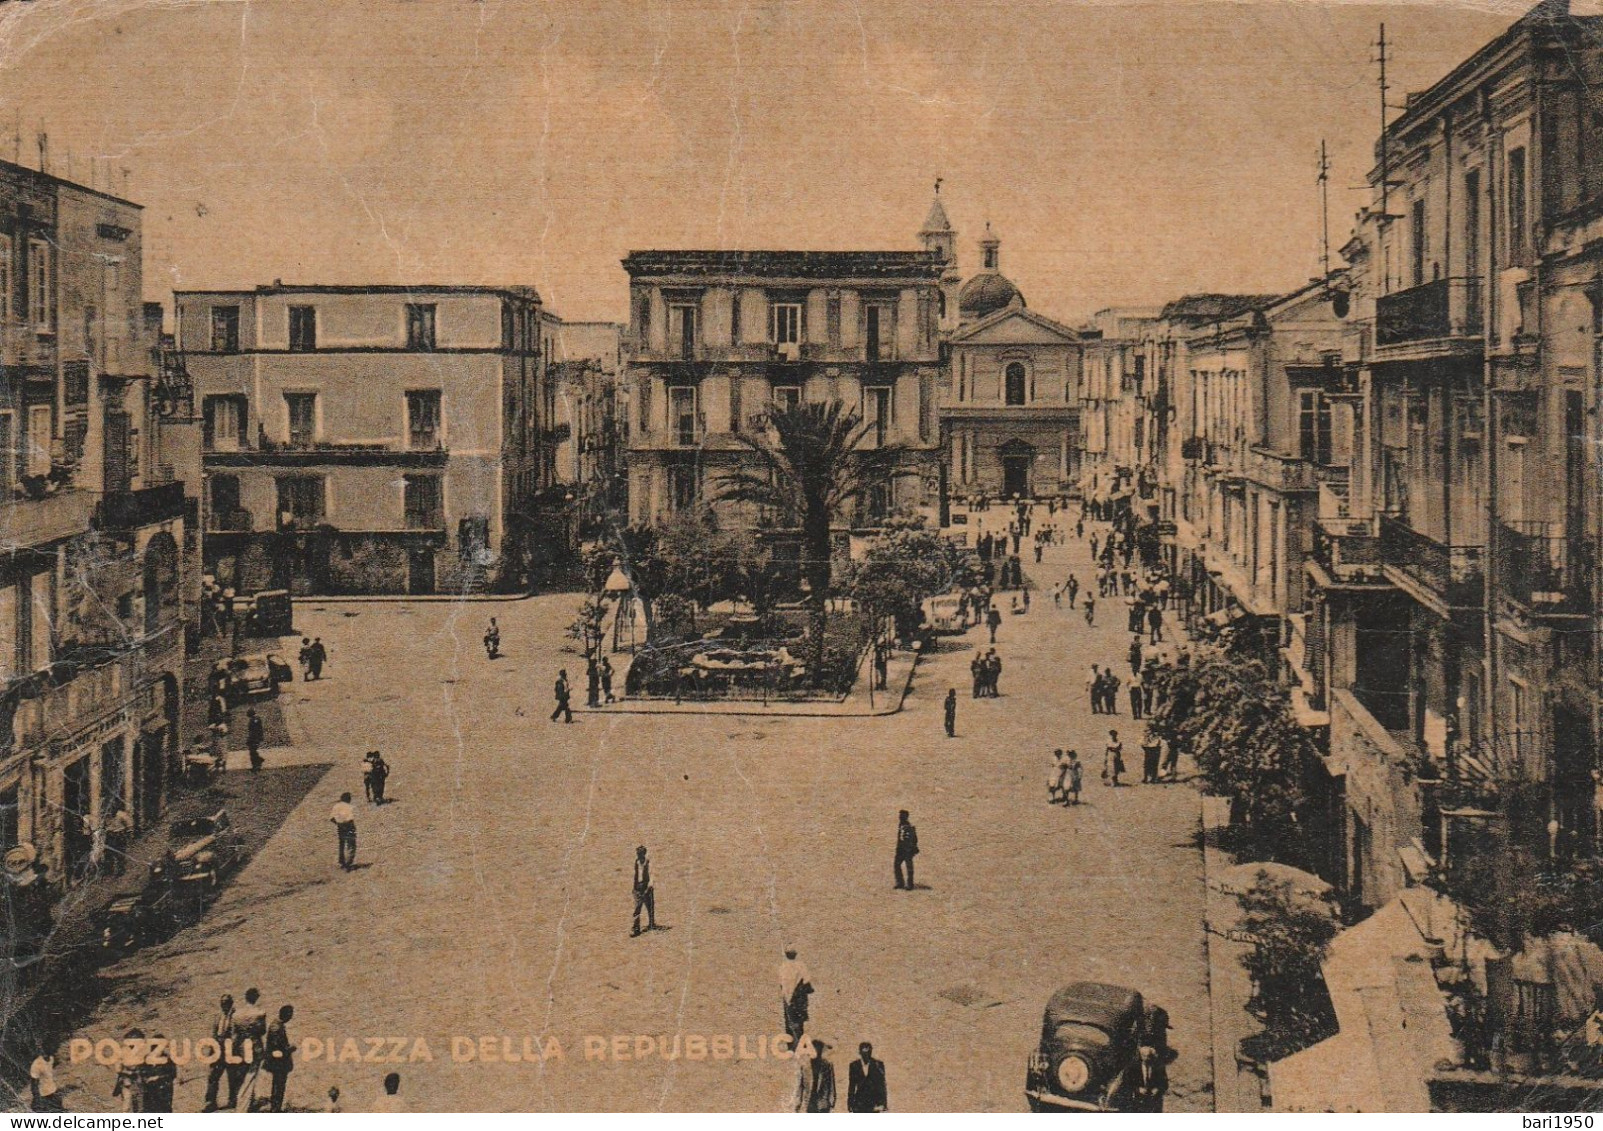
(16, 139)
(1385, 164)
(44, 151)
(1324, 211)
(938, 185)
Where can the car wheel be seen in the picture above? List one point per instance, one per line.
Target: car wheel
(1035, 1104)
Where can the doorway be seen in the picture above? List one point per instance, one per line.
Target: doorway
(1016, 476)
(420, 572)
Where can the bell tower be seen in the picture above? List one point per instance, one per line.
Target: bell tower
(937, 235)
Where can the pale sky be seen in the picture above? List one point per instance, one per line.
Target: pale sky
(1125, 153)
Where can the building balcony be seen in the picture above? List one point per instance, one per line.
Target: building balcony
(130, 510)
(1451, 573)
(319, 453)
(49, 518)
(1438, 311)
(1279, 472)
(83, 686)
(1543, 570)
(1348, 552)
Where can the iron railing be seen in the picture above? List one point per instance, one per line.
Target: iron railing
(1445, 308)
(1451, 572)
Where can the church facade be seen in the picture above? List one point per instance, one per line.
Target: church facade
(1009, 398)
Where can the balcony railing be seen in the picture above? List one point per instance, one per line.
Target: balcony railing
(1446, 308)
(1347, 550)
(1542, 569)
(1453, 573)
(49, 518)
(77, 690)
(130, 510)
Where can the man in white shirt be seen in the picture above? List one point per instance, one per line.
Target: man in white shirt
(42, 1080)
(795, 986)
(344, 819)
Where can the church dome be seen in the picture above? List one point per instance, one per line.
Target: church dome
(985, 294)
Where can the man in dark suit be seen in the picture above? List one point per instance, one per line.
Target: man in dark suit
(865, 1082)
(562, 692)
(906, 849)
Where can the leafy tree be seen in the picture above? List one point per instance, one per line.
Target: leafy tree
(810, 465)
(638, 553)
(1236, 721)
(899, 571)
(1290, 936)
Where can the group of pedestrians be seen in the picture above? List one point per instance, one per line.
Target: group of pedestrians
(986, 671)
(866, 1089)
(252, 1045)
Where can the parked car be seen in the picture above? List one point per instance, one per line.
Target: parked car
(942, 615)
(204, 849)
(257, 676)
(1091, 1039)
(126, 922)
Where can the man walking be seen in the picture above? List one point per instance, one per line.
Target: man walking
(344, 819)
(119, 831)
(1113, 759)
(906, 849)
(563, 691)
(318, 657)
(1151, 752)
(606, 680)
(993, 621)
(280, 1060)
(645, 893)
(592, 681)
(795, 987)
(1093, 689)
(255, 733)
(222, 1032)
(865, 1082)
(951, 708)
(815, 1083)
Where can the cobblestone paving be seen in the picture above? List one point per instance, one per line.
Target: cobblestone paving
(494, 900)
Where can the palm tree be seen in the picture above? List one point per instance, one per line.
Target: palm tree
(810, 464)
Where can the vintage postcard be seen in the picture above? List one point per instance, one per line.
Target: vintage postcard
(801, 556)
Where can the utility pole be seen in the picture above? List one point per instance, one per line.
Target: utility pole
(1385, 163)
(1324, 211)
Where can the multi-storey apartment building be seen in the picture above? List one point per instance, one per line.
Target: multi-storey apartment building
(94, 545)
(381, 439)
(588, 377)
(716, 337)
(1457, 583)
(1114, 385)
(1263, 427)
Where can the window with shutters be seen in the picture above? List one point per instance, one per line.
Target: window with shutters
(225, 329)
(423, 431)
(39, 284)
(784, 323)
(1314, 427)
(303, 328)
(302, 411)
(425, 502)
(301, 501)
(223, 420)
(420, 325)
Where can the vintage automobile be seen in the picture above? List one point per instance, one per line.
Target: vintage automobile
(942, 615)
(126, 922)
(1091, 1039)
(204, 850)
(256, 676)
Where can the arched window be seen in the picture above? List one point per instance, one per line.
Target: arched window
(1015, 383)
(161, 582)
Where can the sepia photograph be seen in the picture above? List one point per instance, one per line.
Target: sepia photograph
(790, 556)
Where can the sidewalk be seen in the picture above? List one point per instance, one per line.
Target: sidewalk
(855, 705)
(1236, 1089)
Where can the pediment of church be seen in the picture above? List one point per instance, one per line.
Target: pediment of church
(1015, 326)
